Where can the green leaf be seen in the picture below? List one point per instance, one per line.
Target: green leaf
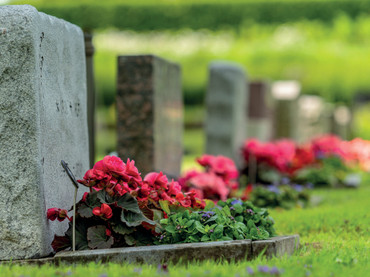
(239, 218)
(189, 223)
(199, 227)
(164, 206)
(81, 233)
(218, 231)
(209, 205)
(134, 219)
(226, 210)
(104, 197)
(205, 238)
(84, 210)
(97, 239)
(238, 208)
(170, 229)
(122, 229)
(250, 224)
(164, 221)
(129, 203)
(226, 238)
(92, 199)
(130, 240)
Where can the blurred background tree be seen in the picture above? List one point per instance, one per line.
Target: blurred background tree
(324, 44)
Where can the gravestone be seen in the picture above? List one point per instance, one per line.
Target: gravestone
(150, 113)
(313, 117)
(42, 121)
(226, 105)
(341, 121)
(285, 95)
(259, 113)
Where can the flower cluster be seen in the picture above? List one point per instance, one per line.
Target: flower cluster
(118, 178)
(283, 155)
(287, 157)
(217, 180)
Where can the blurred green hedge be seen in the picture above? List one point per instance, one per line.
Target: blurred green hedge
(213, 16)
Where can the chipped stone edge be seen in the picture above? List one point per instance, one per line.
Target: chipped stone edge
(175, 253)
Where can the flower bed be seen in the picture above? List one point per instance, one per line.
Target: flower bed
(122, 209)
(324, 161)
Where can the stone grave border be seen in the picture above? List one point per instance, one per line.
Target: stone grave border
(236, 250)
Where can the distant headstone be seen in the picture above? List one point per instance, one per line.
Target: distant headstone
(259, 114)
(42, 121)
(285, 95)
(341, 122)
(150, 113)
(312, 116)
(226, 115)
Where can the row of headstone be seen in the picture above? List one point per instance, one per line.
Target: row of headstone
(44, 119)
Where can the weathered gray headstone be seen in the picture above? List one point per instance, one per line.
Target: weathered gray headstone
(341, 121)
(226, 115)
(42, 121)
(285, 95)
(259, 113)
(312, 117)
(150, 113)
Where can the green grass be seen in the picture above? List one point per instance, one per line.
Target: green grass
(334, 237)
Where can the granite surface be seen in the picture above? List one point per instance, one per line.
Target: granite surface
(226, 109)
(42, 121)
(260, 122)
(150, 113)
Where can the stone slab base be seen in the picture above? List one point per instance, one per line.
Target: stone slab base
(236, 250)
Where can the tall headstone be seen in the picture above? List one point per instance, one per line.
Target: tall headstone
(226, 114)
(313, 117)
(341, 121)
(259, 113)
(285, 95)
(89, 51)
(150, 113)
(42, 121)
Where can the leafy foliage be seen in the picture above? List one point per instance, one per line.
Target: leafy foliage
(283, 196)
(229, 220)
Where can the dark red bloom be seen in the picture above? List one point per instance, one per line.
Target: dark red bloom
(104, 211)
(55, 213)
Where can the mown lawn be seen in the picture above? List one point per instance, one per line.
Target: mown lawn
(334, 239)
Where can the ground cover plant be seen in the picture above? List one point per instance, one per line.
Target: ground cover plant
(334, 237)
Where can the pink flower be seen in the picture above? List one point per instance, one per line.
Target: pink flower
(104, 211)
(156, 180)
(174, 188)
(55, 213)
(114, 165)
(188, 175)
(132, 171)
(213, 186)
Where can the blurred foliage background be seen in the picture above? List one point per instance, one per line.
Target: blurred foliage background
(324, 44)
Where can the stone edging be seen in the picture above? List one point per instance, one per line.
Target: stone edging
(174, 253)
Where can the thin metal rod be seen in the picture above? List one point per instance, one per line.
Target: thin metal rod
(74, 222)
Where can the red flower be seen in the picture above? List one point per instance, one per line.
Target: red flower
(114, 165)
(108, 232)
(132, 172)
(104, 211)
(184, 201)
(174, 188)
(85, 196)
(156, 180)
(55, 213)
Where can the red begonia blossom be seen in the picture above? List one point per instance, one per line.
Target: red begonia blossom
(104, 211)
(55, 213)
